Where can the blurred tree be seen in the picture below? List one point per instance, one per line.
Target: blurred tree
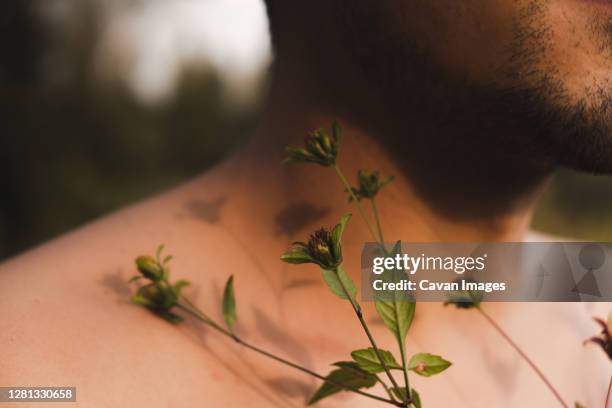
(18, 73)
(73, 149)
(577, 205)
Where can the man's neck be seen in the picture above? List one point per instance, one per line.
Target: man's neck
(406, 213)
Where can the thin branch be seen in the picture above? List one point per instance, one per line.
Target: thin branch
(402, 347)
(608, 396)
(386, 388)
(358, 203)
(359, 314)
(377, 218)
(524, 356)
(196, 313)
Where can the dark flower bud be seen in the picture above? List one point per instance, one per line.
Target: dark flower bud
(604, 339)
(323, 247)
(369, 184)
(319, 148)
(149, 268)
(319, 249)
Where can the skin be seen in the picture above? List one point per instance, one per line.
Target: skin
(66, 318)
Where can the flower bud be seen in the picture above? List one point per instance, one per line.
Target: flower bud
(604, 339)
(319, 148)
(369, 184)
(321, 248)
(149, 268)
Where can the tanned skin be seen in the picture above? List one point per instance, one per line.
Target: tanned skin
(470, 104)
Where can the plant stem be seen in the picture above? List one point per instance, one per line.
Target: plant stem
(358, 203)
(196, 313)
(524, 356)
(359, 313)
(386, 388)
(377, 218)
(609, 393)
(402, 347)
(356, 307)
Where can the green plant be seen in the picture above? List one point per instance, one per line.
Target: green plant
(323, 248)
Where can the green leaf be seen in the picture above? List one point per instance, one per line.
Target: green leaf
(167, 259)
(397, 315)
(179, 285)
(426, 364)
(142, 301)
(396, 309)
(298, 155)
(159, 250)
(335, 279)
(297, 255)
(165, 273)
(336, 132)
(229, 304)
(578, 405)
(368, 361)
(169, 316)
(337, 234)
(399, 392)
(386, 181)
(134, 278)
(348, 374)
(461, 301)
(347, 364)
(464, 299)
(416, 399)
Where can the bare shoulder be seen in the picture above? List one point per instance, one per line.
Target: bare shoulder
(67, 319)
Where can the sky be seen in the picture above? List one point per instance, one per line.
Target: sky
(151, 39)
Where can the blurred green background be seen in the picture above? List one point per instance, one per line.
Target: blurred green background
(87, 127)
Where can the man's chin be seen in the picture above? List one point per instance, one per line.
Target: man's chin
(588, 151)
(549, 127)
(583, 136)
